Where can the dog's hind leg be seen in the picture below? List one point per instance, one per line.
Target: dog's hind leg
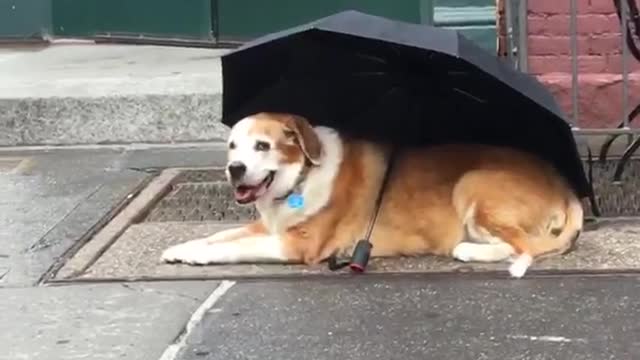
(469, 251)
(500, 230)
(494, 239)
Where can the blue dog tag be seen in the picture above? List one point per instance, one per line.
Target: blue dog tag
(295, 201)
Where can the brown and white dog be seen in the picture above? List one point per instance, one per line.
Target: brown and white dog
(471, 202)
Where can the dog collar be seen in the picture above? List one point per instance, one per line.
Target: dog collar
(296, 202)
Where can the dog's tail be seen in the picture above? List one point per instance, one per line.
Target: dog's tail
(560, 238)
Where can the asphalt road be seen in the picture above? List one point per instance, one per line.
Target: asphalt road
(412, 318)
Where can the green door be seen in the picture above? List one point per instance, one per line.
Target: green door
(24, 19)
(224, 21)
(240, 20)
(183, 19)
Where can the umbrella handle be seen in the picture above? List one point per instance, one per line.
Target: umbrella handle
(359, 258)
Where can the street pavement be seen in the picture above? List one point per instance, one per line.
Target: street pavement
(402, 318)
(52, 198)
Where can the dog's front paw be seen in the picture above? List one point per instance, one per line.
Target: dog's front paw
(192, 252)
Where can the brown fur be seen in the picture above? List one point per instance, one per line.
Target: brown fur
(282, 129)
(433, 193)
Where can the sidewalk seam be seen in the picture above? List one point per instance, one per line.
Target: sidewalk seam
(172, 351)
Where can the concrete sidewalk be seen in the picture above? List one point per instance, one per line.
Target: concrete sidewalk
(51, 199)
(92, 94)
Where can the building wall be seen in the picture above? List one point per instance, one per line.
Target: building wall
(599, 57)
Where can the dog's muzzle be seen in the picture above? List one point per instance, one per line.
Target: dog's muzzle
(236, 170)
(245, 193)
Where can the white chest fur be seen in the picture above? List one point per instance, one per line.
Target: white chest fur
(316, 189)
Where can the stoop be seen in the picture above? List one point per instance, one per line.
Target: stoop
(103, 94)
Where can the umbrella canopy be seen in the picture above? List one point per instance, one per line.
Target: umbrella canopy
(391, 81)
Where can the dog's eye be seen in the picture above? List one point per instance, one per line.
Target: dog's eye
(232, 145)
(289, 134)
(262, 146)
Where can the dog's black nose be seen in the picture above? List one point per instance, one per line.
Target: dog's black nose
(237, 170)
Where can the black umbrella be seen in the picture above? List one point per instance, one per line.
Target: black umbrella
(398, 82)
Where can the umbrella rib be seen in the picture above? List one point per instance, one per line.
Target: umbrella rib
(369, 73)
(378, 101)
(371, 57)
(470, 95)
(328, 77)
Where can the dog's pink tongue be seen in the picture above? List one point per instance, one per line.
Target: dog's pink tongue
(245, 193)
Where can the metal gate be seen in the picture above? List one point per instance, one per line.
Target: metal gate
(515, 48)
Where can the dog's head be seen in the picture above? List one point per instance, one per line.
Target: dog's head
(267, 153)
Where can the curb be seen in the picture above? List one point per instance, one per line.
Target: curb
(77, 94)
(111, 119)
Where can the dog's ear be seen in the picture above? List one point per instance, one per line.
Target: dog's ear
(302, 132)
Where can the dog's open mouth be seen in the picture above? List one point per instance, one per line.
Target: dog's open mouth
(246, 194)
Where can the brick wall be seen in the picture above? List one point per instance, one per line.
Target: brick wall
(599, 57)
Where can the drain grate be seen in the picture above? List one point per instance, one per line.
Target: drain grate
(201, 176)
(200, 201)
(200, 195)
(204, 195)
